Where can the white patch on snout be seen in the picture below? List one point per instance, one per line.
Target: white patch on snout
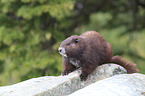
(63, 52)
(75, 62)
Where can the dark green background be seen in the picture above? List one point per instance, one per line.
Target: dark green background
(32, 30)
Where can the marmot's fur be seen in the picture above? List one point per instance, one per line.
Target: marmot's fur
(88, 51)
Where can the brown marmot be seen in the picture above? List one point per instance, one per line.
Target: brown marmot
(88, 51)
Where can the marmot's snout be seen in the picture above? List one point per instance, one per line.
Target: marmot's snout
(62, 51)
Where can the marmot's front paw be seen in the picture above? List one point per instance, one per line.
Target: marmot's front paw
(83, 77)
(65, 73)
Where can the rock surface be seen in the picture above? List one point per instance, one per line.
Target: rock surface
(119, 85)
(59, 85)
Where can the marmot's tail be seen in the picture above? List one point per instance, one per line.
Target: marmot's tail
(129, 66)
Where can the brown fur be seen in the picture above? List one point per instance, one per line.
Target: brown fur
(88, 51)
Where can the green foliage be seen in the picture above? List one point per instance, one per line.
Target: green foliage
(32, 30)
(25, 32)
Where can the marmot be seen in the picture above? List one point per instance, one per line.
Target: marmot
(88, 51)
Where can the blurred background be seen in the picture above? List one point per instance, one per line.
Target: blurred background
(32, 30)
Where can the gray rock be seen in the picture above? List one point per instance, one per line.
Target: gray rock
(59, 85)
(119, 85)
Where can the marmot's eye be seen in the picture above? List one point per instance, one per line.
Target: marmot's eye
(68, 44)
(76, 40)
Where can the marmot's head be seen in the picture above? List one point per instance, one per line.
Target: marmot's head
(72, 46)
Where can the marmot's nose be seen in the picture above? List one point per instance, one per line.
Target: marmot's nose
(61, 50)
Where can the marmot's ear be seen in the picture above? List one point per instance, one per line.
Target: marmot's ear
(76, 40)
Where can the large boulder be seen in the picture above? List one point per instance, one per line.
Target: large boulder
(119, 85)
(60, 85)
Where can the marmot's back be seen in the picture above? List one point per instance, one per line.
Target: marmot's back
(99, 46)
(93, 35)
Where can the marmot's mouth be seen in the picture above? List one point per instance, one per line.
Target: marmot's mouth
(62, 51)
